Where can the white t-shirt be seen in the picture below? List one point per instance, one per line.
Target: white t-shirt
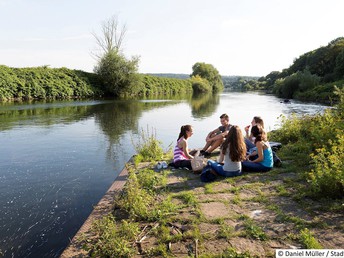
(229, 164)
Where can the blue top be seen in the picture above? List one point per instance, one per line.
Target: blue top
(268, 159)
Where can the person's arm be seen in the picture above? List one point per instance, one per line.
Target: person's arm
(246, 130)
(222, 157)
(259, 151)
(186, 150)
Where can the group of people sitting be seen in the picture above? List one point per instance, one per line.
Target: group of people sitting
(251, 153)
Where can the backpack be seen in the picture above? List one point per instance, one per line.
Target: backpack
(206, 175)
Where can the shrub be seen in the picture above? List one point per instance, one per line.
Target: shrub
(148, 148)
(318, 151)
(113, 239)
(153, 85)
(46, 83)
(200, 85)
(148, 180)
(119, 75)
(327, 177)
(308, 241)
(136, 200)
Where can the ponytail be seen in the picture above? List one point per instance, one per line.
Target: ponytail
(183, 131)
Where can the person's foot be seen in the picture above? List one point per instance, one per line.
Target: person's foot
(206, 154)
(278, 163)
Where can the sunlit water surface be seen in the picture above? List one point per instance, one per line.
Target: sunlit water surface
(57, 159)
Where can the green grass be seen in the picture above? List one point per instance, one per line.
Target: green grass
(308, 240)
(147, 147)
(253, 230)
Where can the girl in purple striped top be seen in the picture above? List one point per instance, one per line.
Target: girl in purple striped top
(181, 156)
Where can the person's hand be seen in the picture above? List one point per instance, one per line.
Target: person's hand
(246, 128)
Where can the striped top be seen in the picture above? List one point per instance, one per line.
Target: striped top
(178, 153)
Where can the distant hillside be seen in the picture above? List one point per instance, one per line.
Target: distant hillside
(171, 75)
(237, 82)
(229, 81)
(312, 76)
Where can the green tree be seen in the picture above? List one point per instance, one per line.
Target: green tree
(339, 68)
(117, 73)
(210, 73)
(200, 85)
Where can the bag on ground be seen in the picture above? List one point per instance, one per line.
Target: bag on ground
(198, 163)
(206, 175)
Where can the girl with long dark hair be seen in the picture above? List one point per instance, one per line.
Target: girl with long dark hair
(233, 151)
(261, 160)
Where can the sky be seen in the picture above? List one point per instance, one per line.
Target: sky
(238, 37)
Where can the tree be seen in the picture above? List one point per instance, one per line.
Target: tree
(111, 38)
(117, 73)
(200, 85)
(339, 68)
(210, 73)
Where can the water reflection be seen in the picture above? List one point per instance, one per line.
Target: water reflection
(204, 105)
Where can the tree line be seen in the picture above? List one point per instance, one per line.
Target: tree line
(313, 76)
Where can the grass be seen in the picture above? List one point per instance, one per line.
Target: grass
(147, 147)
(226, 231)
(308, 240)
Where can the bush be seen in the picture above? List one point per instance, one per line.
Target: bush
(200, 85)
(327, 177)
(136, 200)
(210, 73)
(318, 151)
(308, 241)
(119, 75)
(296, 83)
(153, 85)
(46, 83)
(148, 148)
(113, 240)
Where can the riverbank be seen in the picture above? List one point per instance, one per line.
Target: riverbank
(250, 215)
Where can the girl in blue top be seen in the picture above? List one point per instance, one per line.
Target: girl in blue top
(260, 160)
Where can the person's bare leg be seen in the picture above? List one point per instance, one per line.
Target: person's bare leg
(214, 145)
(207, 145)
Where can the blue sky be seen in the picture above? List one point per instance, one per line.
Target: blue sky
(246, 37)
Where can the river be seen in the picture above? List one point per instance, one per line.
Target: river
(58, 158)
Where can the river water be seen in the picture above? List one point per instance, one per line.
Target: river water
(57, 159)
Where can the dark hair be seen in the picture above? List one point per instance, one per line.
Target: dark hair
(183, 131)
(225, 116)
(259, 120)
(258, 132)
(236, 143)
